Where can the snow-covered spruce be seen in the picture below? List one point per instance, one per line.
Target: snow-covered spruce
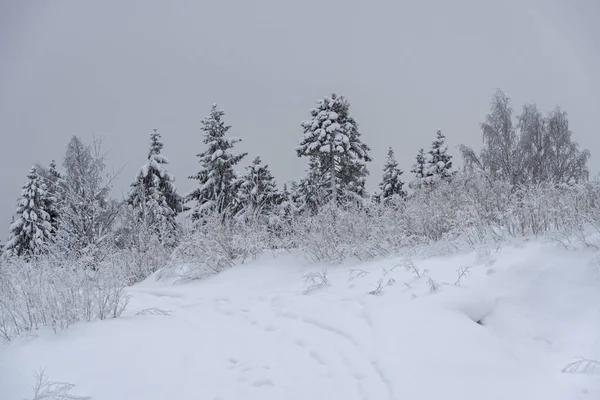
(438, 164)
(217, 177)
(311, 194)
(153, 196)
(55, 185)
(391, 184)
(332, 140)
(287, 207)
(257, 194)
(31, 229)
(418, 169)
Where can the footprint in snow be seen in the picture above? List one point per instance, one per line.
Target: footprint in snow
(262, 382)
(270, 328)
(222, 305)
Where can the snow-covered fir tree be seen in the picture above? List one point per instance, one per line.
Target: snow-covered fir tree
(438, 163)
(418, 169)
(391, 184)
(295, 195)
(55, 184)
(257, 193)
(217, 177)
(332, 140)
(31, 228)
(153, 196)
(311, 193)
(287, 206)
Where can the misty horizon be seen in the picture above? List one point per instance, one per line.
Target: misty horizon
(406, 72)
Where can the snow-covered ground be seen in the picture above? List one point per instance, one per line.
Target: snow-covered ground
(254, 332)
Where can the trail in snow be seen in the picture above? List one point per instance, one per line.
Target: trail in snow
(250, 333)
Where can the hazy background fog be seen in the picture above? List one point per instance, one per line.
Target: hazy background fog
(121, 68)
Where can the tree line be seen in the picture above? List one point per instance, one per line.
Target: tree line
(70, 210)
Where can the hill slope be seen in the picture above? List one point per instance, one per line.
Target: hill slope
(504, 331)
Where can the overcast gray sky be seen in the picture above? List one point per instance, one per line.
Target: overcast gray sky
(121, 68)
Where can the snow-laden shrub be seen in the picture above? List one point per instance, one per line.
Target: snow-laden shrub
(432, 217)
(140, 247)
(58, 293)
(45, 389)
(335, 234)
(582, 366)
(467, 211)
(217, 243)
(438, 219)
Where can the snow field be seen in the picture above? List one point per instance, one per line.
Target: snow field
(506, 330)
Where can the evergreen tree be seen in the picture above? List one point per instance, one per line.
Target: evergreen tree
(418, 169)
(311, 193)
(438, 164)
(295, 195)
(55, 187)
(286, 195)
(55, 184)
(391, 185)
(257, 194)
(31, 228)
(287, 204)
(332, 141)
(217, 178)
(153, 196)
